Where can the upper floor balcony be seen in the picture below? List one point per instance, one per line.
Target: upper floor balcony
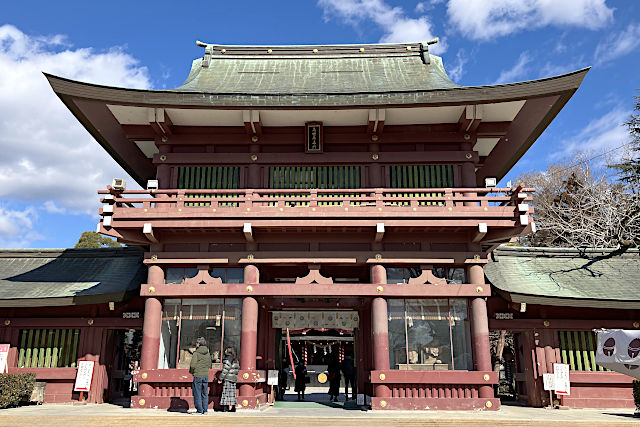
(488, 215)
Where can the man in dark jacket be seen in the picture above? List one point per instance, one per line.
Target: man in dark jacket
(349, 372)
(199, 368)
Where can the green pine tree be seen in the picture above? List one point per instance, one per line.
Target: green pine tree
(91, 239)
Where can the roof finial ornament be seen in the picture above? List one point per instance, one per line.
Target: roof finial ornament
(424, 50)
(208, 51)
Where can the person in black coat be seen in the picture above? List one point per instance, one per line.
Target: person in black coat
(349, 372)
(301, 379)
(333, 371)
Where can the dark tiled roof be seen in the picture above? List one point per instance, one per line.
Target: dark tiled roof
(557, 276)
(338, 69)
(39, 277)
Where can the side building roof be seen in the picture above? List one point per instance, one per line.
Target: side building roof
(602, 278)
(63, 277)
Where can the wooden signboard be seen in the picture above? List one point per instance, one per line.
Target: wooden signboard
(313, 135)
(84, 375)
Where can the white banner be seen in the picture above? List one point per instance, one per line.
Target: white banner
(4, 354)
(346, 319)
(84, 375)
(619, 350)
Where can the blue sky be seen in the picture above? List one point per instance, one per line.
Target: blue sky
(50, 168)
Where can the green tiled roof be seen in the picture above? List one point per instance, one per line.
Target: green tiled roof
(337, 69)
(41, 277)
(557, 276)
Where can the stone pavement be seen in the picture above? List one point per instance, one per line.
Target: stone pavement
(69, 415)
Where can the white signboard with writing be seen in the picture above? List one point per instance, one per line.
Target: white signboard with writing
(4, 354)
(562, 382)
(272, 377)
(84, 375)
(549, 381)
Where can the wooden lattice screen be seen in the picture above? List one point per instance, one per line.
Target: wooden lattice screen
(421, 176)
(306, 177)
(48, 348)
(578, 349)
(209, 178)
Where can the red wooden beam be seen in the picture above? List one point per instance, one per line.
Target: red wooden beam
(316, 290)
(422, 157)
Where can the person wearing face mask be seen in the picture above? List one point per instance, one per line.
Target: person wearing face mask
(229, 378)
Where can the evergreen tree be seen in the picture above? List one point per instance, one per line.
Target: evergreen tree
(91, 239)
(629, 167)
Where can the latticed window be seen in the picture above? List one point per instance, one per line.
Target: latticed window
(578, 349)
(48, 348)
(420, 176)
(306, 177)
(320, 177)
(209, 178)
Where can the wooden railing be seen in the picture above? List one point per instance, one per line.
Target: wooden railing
(361, 199)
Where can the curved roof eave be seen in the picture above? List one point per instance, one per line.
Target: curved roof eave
(565, 83)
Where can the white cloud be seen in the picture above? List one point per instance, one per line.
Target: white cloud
(425, 6)
(17, 227)
(457, 69)
(618, 44)
(396, 26)
(48, 158)
(517, 72)
(601, 137)
(479, 19)
(51, 207)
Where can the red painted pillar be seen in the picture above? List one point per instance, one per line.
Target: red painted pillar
(380, 331)
(480, 330)
(151, 329)
(249, 336)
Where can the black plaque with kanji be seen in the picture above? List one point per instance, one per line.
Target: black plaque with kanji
(313, 137)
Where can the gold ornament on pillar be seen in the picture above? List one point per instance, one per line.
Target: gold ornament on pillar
(141, 402)
(245, 376)
(488, 404)
(245, 402)
(144, 375)
(486, 377)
